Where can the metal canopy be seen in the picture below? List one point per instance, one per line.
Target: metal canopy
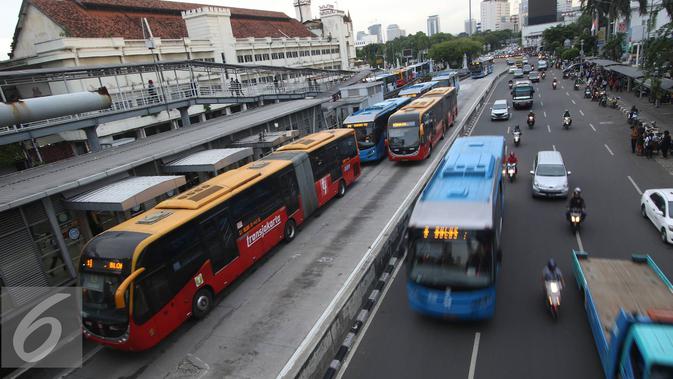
(666, 84)
(603, 62)
(629, 71)
(125, 194)
(209, 160)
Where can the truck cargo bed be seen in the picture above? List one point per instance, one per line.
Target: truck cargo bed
(615, 284)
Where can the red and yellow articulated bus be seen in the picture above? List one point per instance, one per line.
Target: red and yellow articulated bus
(416, 128)
(144, 277)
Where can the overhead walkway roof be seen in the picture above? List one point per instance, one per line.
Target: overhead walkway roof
(125, 194)
(209, 160)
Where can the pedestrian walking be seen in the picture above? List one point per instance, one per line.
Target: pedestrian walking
(665, 144)
(232, 86)
(649, 141)
(239, 87)
(634, 139)
(152, 91)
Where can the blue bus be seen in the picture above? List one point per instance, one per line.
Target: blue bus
(453, 251)
(447, 79)
(416, 90)
(480, 68)
(389, 82)
(370, 126)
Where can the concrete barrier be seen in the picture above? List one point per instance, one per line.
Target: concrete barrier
(329, 341)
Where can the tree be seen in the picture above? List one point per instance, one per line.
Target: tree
(613, 49)
(452, 51)
(570, 54)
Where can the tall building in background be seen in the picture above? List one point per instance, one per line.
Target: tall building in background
(393, 31)
(563, 6)
(515, 22)
(433, 25)
(302, 9)
(494, 15)
(468, 26)
(376, 31)
(541, 11)
(361, 35)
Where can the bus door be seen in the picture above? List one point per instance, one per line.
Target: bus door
(327, 172)
(429, 128)
(348, 150)
(219, 238)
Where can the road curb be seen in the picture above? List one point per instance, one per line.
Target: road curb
(324, 349)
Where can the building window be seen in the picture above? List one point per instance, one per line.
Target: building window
(315, 52)
(281, 55)
(240, 59)
(258, 57)
(248, 58)
(274, 55)
(265, 56)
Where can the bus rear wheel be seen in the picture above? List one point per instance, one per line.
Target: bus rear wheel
(342, 189)
(202, 303)
(290, 230)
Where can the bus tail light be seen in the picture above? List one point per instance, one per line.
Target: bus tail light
(120, 302)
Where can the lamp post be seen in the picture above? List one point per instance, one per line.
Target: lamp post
(469, 32)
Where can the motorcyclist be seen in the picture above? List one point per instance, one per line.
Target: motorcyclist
(517, 129)
(513, 160)
(531, 114)
(554, 83)
(634, 111)
(510, 83)
(576, 203)
(567, 114)
(551, 272)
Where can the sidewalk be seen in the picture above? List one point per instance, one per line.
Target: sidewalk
(648, 113)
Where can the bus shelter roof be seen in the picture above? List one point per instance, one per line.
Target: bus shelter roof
(125, 194)
(666, 84)
(208, 160)
(628, 71)
(603, 62)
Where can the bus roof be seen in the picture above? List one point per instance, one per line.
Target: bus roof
(370, 114)
(418, 105)
(415, 88)
(316, 140)
(444, 75)
(439, 91)
(459, 192)
(181, 208)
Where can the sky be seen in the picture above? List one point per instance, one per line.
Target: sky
(409, 15)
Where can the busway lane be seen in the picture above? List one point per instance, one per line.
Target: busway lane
(259, 322)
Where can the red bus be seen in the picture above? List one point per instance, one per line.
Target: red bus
(416, 128)
(144, 277)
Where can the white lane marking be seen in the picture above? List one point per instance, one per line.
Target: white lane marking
(592, 126)
(567, 94)
(473, 359)
(539, 95)
(548, 128)
(573, 101)
(553, 147)
(541, 104)
(582, 113)
(634, 184)
(370, 318)
(544, 113)
(579, 241)
(608, 148)
(85, 358)
(508, 130)
(606, 122)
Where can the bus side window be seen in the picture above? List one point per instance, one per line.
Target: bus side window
(637, 361)
(289, 188)
(348, 148)
(220, 240)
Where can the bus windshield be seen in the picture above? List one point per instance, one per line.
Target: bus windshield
(403, 137)
(364, 133)
(98, 292)
(464, 262)
(476, 68)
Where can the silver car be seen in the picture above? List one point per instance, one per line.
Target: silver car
(550, 178)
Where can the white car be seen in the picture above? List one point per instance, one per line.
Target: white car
(512, 69)
(657, 205)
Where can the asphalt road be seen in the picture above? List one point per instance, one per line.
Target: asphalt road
(522, 341)
(259, 322)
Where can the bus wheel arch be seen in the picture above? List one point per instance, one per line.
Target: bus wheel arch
(202, 303)
(342, 189)
(290, 230)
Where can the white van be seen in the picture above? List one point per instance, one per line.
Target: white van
(550, 178)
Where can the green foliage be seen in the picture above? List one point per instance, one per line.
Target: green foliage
(658, 55)
(9, 154)
(553, 38)
(570, 54)
(452, 51)
(613, 49)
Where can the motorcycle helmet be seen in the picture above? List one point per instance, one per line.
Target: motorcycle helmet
(577, 192)
(551, 265)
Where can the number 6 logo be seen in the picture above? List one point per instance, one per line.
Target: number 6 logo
(31, 322)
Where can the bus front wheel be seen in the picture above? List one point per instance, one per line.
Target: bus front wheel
(202, 303)
(290, 230)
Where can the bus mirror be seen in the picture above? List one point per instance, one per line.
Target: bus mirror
(422, 130)
(120, 301)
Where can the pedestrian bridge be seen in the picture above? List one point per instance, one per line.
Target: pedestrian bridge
(149, 88)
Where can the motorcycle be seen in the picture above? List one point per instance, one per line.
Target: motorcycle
(553, 292)
(632, 118)
(510, 169)
(612, 102)
(531, 122)
(554, 84)
(587, 93)
(517, 138)
(566, 122)
(577, 86)
(575, 219)
(543, 75)
(603, 102)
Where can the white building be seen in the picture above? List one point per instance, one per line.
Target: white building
(637, 29)
(433, 25)
(367, 39)
(493, 13)
(66, 33)
(393, 31)
(376, 31)
(531, 35)
(469, 25)
(302, 9)
(563, 6)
